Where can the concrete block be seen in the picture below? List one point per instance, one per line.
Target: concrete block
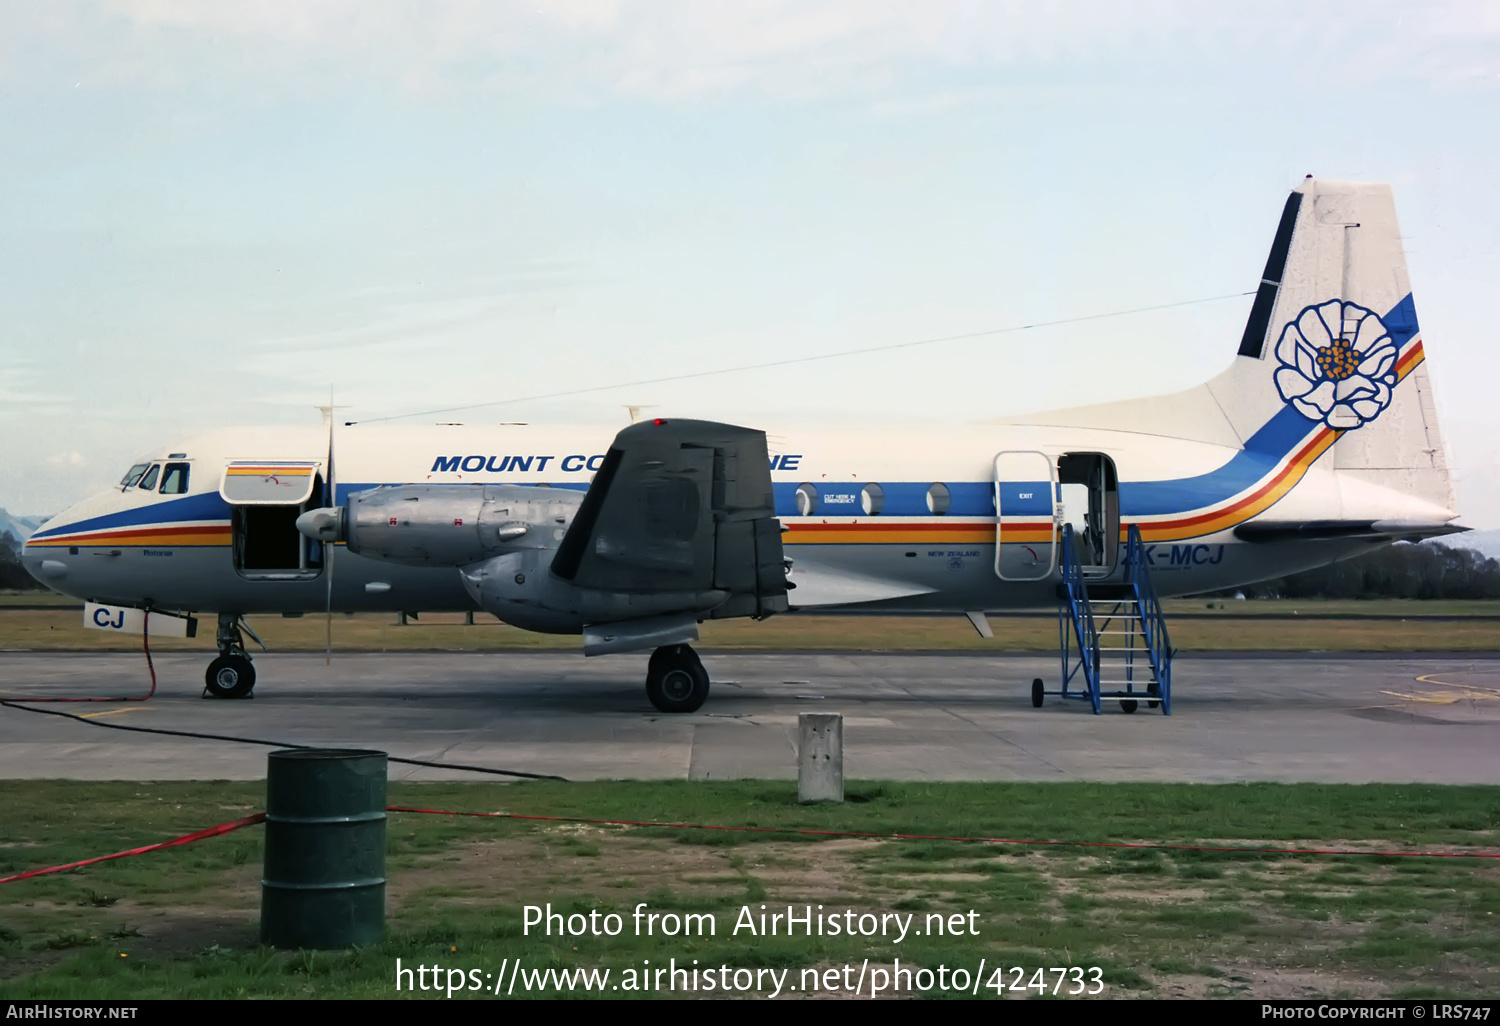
(820, 757)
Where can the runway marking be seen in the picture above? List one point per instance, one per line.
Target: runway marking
(1467, 692)
(1434, 697)
(1488, 692)
(112, 712)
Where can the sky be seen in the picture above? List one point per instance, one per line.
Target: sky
(211, 214)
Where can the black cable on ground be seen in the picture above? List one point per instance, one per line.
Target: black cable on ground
(150, 667)
(12, 704)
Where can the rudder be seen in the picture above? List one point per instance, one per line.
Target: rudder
(1333, 334)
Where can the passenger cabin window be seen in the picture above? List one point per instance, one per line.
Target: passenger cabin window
(174, 480)
(807, 500)
(939, 498)
(133, 475)
(872, 499)
(149, 481)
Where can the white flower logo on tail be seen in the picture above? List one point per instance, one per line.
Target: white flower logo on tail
(1338, 364)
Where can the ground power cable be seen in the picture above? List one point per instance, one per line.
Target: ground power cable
(259, 817)
(13, 704)
(150, 667)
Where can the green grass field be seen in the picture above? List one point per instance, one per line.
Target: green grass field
(1219, 625)
(1157, 923)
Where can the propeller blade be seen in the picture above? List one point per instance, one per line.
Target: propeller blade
(329, 498)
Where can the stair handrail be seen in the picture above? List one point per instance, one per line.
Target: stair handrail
(1153, 621)
(1082, 613)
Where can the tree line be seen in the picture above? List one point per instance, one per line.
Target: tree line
(13, 576)
(1404, 570)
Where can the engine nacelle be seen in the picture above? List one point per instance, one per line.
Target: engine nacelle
(445, 525)
(678, 526)
(521, 589)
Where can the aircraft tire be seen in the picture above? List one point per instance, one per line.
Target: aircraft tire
(676, 681)
(229, 676)
(1128, 705)
(1038, 693)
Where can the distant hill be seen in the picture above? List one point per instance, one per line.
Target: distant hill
(19, 528)
(12, 575)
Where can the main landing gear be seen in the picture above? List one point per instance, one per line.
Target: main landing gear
(230, 675)
(676, 681)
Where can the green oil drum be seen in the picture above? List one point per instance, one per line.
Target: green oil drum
(324, 879)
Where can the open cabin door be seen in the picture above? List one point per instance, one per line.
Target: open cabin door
(1088, 494)
(267, 497)
(1025, 505)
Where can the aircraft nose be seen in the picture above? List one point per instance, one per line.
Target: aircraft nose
(325, 524)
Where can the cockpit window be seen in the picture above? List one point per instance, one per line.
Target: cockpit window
(133, 475)
(174, 480)
(149, 481)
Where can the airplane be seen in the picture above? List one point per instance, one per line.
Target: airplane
(1319, 442)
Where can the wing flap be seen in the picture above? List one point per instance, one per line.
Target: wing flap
(1319, 530)
(818, 585)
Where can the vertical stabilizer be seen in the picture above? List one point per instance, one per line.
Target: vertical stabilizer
(1332, 342)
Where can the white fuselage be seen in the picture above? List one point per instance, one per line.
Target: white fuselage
(924, 538)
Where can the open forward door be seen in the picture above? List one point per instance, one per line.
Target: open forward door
(267, 497)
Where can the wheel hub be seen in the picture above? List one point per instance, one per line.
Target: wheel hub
(677, 685)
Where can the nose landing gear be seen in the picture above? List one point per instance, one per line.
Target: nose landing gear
(676, 681)
(231, 675)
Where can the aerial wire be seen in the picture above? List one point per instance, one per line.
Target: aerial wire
(795, 360)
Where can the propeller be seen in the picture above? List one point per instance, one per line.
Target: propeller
(330, 496)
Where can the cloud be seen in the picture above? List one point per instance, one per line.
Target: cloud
(676, 50)
(22, 396)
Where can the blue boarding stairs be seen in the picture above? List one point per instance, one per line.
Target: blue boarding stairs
(1115, 648)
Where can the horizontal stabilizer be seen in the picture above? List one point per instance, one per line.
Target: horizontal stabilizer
(824, 586)
(1311, 530)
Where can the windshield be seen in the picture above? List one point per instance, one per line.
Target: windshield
(149, 481)
(133, 475)
(174, 480)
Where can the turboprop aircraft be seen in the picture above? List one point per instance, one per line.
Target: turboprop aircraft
(1318, 442)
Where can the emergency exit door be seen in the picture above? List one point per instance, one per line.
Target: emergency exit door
(1026, 516)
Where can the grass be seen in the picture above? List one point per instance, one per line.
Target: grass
(1158, 923)
(1224, 626)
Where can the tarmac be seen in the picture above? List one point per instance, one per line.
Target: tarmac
(1322, 718)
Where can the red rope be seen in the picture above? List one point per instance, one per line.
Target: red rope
(145, 644)
(198, 835)
(259, 817)
(941, 837)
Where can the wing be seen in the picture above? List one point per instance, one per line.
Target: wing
(1374, 530)
(681, 507)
